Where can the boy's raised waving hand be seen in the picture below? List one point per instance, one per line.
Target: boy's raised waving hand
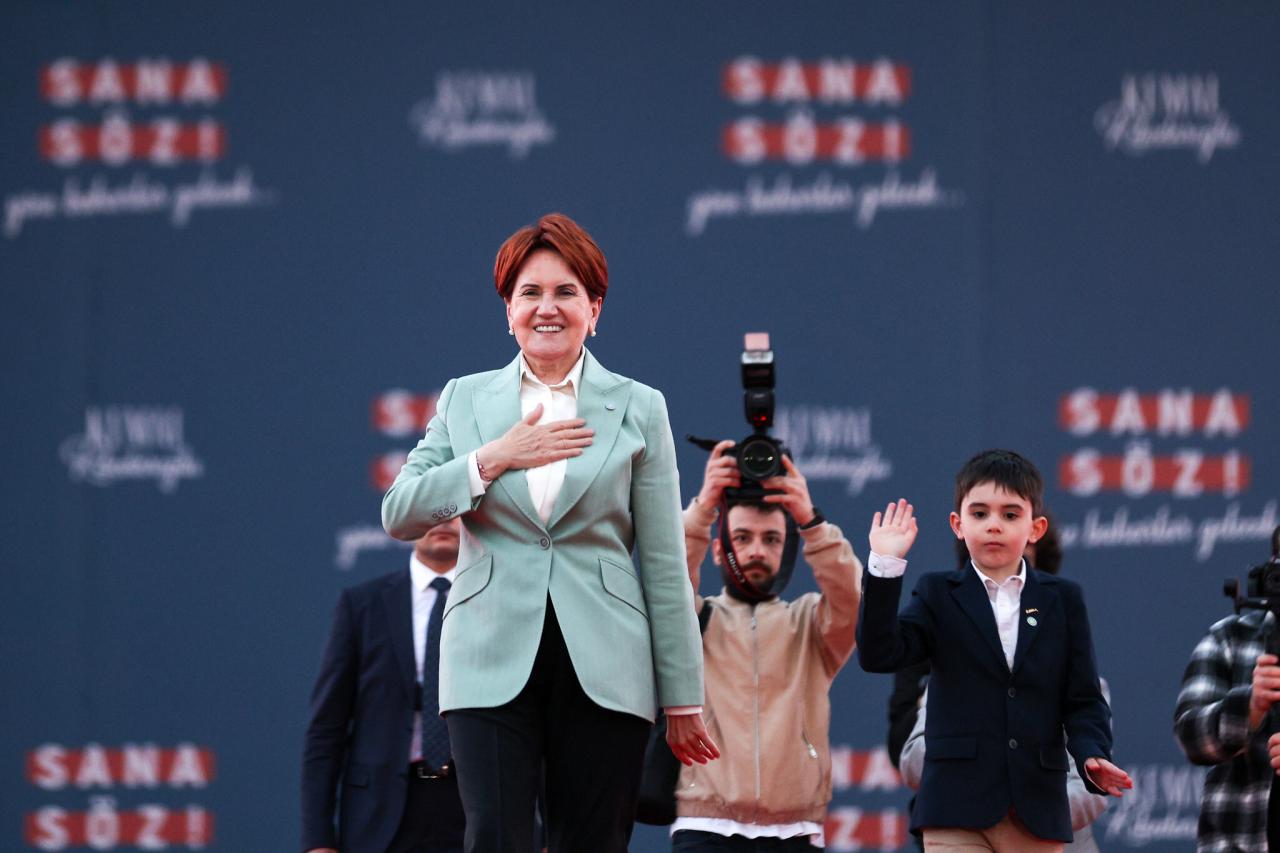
(894, 531)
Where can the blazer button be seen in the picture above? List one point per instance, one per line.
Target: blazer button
(1013, 743)
(1013, 691)
(544, 543)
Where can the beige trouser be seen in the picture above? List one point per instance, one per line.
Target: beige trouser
(1007, 836)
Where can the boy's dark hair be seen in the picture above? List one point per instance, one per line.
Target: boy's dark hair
(1011, 471)
(1047, 556)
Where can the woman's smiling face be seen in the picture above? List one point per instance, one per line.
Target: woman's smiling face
(551, 314)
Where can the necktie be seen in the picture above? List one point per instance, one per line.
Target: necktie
(435, 734)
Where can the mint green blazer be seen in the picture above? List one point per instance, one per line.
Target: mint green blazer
(629, 625)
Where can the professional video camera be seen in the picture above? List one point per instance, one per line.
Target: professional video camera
(1262, 584)
(759, 455)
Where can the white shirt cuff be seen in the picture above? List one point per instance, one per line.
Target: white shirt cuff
(682, 710)
(881, 566)
(478, 486)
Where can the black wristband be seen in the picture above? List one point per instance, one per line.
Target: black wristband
(817, 519)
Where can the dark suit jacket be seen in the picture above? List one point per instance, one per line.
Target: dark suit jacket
(994, 738)
(361, 720)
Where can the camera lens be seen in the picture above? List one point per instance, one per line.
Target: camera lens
(759, 459)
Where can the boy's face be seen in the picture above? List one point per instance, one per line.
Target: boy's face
(996, 526)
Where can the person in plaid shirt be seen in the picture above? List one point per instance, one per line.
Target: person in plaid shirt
(1222, 719)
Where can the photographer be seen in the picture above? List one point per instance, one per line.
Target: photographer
(1225, 717)
(768, 665)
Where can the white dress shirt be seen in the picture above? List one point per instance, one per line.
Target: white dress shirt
(424, 598)
(559, 403)
(1006, 598)
(1006, 601)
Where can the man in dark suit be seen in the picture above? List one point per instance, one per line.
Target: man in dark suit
(375, 723)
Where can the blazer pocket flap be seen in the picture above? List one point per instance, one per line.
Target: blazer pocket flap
(1054, 758)
(622, 584)
(356, 775)
(469, 581)
(943, 748)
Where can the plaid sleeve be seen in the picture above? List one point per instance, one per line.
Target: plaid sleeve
(1211, 718)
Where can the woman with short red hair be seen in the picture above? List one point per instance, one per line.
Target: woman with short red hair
(556, 648)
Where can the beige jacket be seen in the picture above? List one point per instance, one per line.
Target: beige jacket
(768, 669)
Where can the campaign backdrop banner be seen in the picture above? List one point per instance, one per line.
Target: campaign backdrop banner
(244, 246)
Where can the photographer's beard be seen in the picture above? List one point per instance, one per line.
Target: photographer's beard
(759, 573)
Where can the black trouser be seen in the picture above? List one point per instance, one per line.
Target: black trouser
(432, 820)
(696, 841)
(592, 758)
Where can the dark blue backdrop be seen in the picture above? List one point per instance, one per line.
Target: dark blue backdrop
(218, 279)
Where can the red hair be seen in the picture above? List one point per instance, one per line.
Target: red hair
(560, 234)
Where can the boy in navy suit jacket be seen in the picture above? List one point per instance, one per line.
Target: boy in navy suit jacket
(1013, 667)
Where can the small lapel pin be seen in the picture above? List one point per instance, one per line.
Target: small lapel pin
(1031, 620)
(610, 406)
(1030, 610)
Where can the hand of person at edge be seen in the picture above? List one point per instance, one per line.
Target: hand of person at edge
(1265, 689)
(1273, 751)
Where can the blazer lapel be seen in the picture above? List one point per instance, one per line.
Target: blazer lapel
(397, 600)
(1040, 598)
(497, 408)
(602, 401)
(971, 595)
